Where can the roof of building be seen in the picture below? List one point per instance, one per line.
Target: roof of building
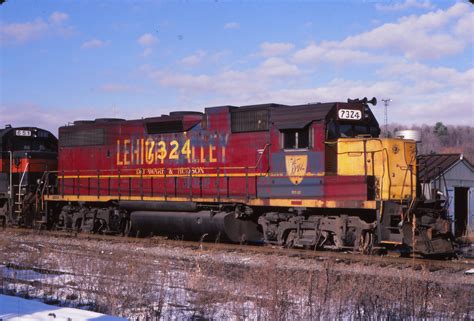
(433, 165)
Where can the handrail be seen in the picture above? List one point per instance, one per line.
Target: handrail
(224, 172)
(23, 175)
(134, 171)
(261, 155)
(44, 180)
(20, 208)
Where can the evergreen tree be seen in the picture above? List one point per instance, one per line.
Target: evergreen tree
(440, 129)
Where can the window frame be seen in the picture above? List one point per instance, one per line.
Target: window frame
(310, 139)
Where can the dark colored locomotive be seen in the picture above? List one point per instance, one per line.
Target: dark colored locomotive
(26, 155)
(314, 176)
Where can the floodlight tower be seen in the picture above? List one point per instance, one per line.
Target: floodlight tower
(386, 102)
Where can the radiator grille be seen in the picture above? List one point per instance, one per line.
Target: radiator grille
(164, 127)
(249, 121)
(85, 137)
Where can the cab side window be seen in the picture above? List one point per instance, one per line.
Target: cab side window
(296, 138)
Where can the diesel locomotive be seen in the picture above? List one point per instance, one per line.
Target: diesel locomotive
(314, 176)
(26, 155)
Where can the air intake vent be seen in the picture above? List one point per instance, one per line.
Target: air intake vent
(249, 121)
(89, 137)
(164, 127)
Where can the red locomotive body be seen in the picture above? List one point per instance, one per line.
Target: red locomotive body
(312, 175)
(252, 152)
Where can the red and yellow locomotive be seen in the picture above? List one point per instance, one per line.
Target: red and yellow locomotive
(314, 175)
(26, 154)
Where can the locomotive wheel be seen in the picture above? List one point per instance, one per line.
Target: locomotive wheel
(127, 230)
(99, 227)
(290, 240)
(366, 242)
(78, 226)
(319, 240)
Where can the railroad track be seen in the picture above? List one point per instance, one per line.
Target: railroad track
(389, 259)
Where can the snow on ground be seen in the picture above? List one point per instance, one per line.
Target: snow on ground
(183, 283)
(16, 309)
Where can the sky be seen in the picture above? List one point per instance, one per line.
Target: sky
(62, 61)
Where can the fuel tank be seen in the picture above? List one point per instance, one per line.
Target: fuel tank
(193, 225)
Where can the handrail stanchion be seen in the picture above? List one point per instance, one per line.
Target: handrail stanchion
(175, 186)
(247, 182)
(98, 184)
(190, 185)
(78, 184)
(200, 186)
(47, 183)
(218, 185)
(256, 192)
(62, 184)
(164, 184)
(151, 186)
(141, 184)
(119, 184)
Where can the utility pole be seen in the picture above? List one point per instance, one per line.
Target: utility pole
(386, 102)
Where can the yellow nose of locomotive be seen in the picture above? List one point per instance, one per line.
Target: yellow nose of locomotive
(391, 161)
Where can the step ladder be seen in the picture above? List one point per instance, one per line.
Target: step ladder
(41, 189)
(18, 204)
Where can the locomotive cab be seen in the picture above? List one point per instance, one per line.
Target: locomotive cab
(354, 148)
(351, 120)
(333, 166)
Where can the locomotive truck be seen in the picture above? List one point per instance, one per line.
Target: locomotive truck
(315, 176)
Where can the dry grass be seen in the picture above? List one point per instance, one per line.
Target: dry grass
(470, 237)
(136, 283)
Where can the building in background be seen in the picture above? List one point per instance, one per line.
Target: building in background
(450, 176)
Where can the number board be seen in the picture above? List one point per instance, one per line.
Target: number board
(22, 132)
(350, 114)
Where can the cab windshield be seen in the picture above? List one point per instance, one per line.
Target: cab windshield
(33, 144)
(350, 130)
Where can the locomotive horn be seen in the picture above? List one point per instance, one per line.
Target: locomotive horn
(364, 100)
